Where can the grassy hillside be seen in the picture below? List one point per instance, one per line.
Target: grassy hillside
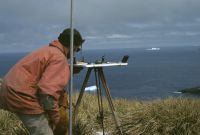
(171, 116)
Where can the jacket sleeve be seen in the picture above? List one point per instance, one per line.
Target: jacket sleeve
(51, 84)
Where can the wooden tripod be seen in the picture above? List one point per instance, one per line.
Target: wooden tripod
(100, 72)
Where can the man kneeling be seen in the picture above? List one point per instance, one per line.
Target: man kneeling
(34, 85)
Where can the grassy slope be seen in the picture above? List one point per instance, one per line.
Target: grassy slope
(171, 116)
(159, 117)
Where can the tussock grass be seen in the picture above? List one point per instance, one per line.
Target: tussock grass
(10, 124)
(164, 117)
(171, 116)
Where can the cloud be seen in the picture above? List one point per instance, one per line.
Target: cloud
(30, 24)
(2, 35)
(118, 36)
(144, 25)
(177, 33)
(92, 37)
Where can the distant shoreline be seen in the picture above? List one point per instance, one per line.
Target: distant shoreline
(194, 90)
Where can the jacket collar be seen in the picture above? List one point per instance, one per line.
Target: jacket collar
(58, 45)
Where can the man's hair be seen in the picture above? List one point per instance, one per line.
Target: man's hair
(64, 38)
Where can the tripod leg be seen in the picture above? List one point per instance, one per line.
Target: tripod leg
(81, 94)
(114, 113)
(98, 88)
(100, 100)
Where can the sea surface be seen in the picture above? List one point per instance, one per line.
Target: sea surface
(150, 74)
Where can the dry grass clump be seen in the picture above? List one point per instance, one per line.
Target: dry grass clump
(10, 124)
(88, 113)
(164, 117)
(172, 116)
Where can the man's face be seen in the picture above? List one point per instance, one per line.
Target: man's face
(76, 49)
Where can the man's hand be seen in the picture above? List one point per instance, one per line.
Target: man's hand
(77, 69)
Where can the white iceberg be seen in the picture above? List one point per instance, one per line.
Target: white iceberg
(177, 92)
(153, 49)
(91, 88)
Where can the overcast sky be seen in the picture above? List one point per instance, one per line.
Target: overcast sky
(28, 24)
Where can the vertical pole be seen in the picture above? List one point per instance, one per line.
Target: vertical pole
(71, 67)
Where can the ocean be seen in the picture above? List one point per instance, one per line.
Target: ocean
(150, 74)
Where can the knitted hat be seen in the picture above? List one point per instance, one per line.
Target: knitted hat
(64, 38)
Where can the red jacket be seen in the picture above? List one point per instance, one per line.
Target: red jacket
(45, 70)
